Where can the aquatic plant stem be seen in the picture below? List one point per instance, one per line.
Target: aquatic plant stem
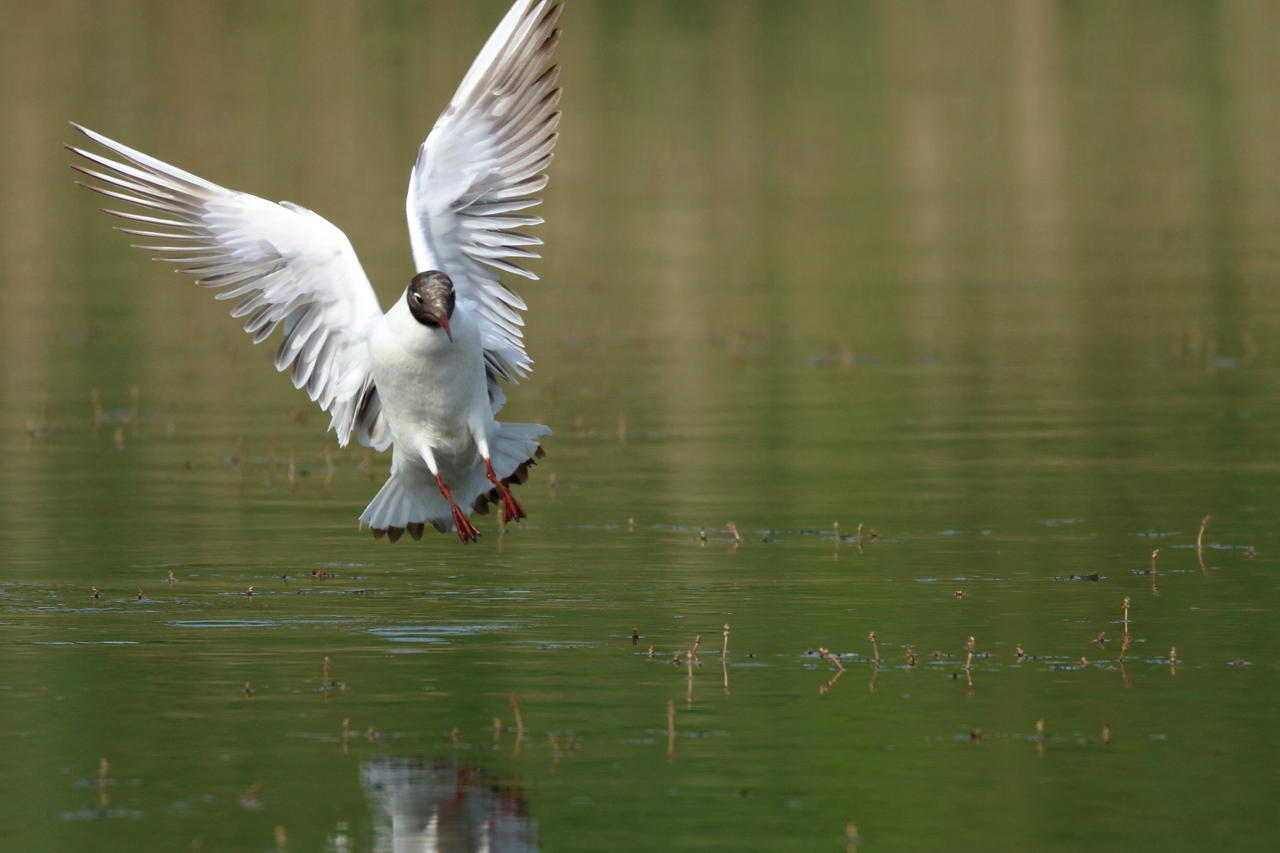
(1204, 522)
(515, 709)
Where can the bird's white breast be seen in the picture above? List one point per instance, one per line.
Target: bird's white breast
(432, 389)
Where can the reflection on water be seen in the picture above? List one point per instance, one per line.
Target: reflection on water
(427, 805)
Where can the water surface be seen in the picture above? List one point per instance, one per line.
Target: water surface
(995, 281)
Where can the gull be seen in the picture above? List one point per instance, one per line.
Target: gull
(424, 377)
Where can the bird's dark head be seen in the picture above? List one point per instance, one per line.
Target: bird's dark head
(430, 298)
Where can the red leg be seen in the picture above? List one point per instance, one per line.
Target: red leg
(511, 508)
(467, 531)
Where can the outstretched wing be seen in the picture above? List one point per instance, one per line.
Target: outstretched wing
(287, 267)
(480, 167)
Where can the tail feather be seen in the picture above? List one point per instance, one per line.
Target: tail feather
(407, 501)
(515, 446)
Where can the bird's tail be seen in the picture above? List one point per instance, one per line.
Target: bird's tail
(408, 501)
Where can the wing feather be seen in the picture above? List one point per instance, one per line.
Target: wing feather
(286, 265)
(484, 161)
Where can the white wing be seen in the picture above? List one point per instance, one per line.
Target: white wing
(284, 263)
(480, 166)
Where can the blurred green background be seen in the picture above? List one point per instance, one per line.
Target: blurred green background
(996, 279)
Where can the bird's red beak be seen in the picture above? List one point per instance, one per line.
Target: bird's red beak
(444, 324)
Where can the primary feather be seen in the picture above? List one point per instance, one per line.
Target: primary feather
(481, 166)
(286, 266)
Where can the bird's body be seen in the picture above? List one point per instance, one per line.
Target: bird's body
(433, 389)
(435, 396)
(423, 378)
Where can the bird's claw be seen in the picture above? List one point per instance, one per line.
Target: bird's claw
(511, 509)
(467, 531)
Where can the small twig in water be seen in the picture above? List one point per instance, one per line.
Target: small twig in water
(724, 651)
(824, 653)
(671, 730)
(875, 647)
(104, 767)
(968, 661)
(1204, 522)
(515, 708)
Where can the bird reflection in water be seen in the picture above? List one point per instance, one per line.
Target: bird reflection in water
(425, 805)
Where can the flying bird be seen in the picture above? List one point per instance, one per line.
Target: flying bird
(424, 377)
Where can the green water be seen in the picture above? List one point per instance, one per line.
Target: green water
(994, 280)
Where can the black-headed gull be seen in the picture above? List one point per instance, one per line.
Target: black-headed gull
(423, 376)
